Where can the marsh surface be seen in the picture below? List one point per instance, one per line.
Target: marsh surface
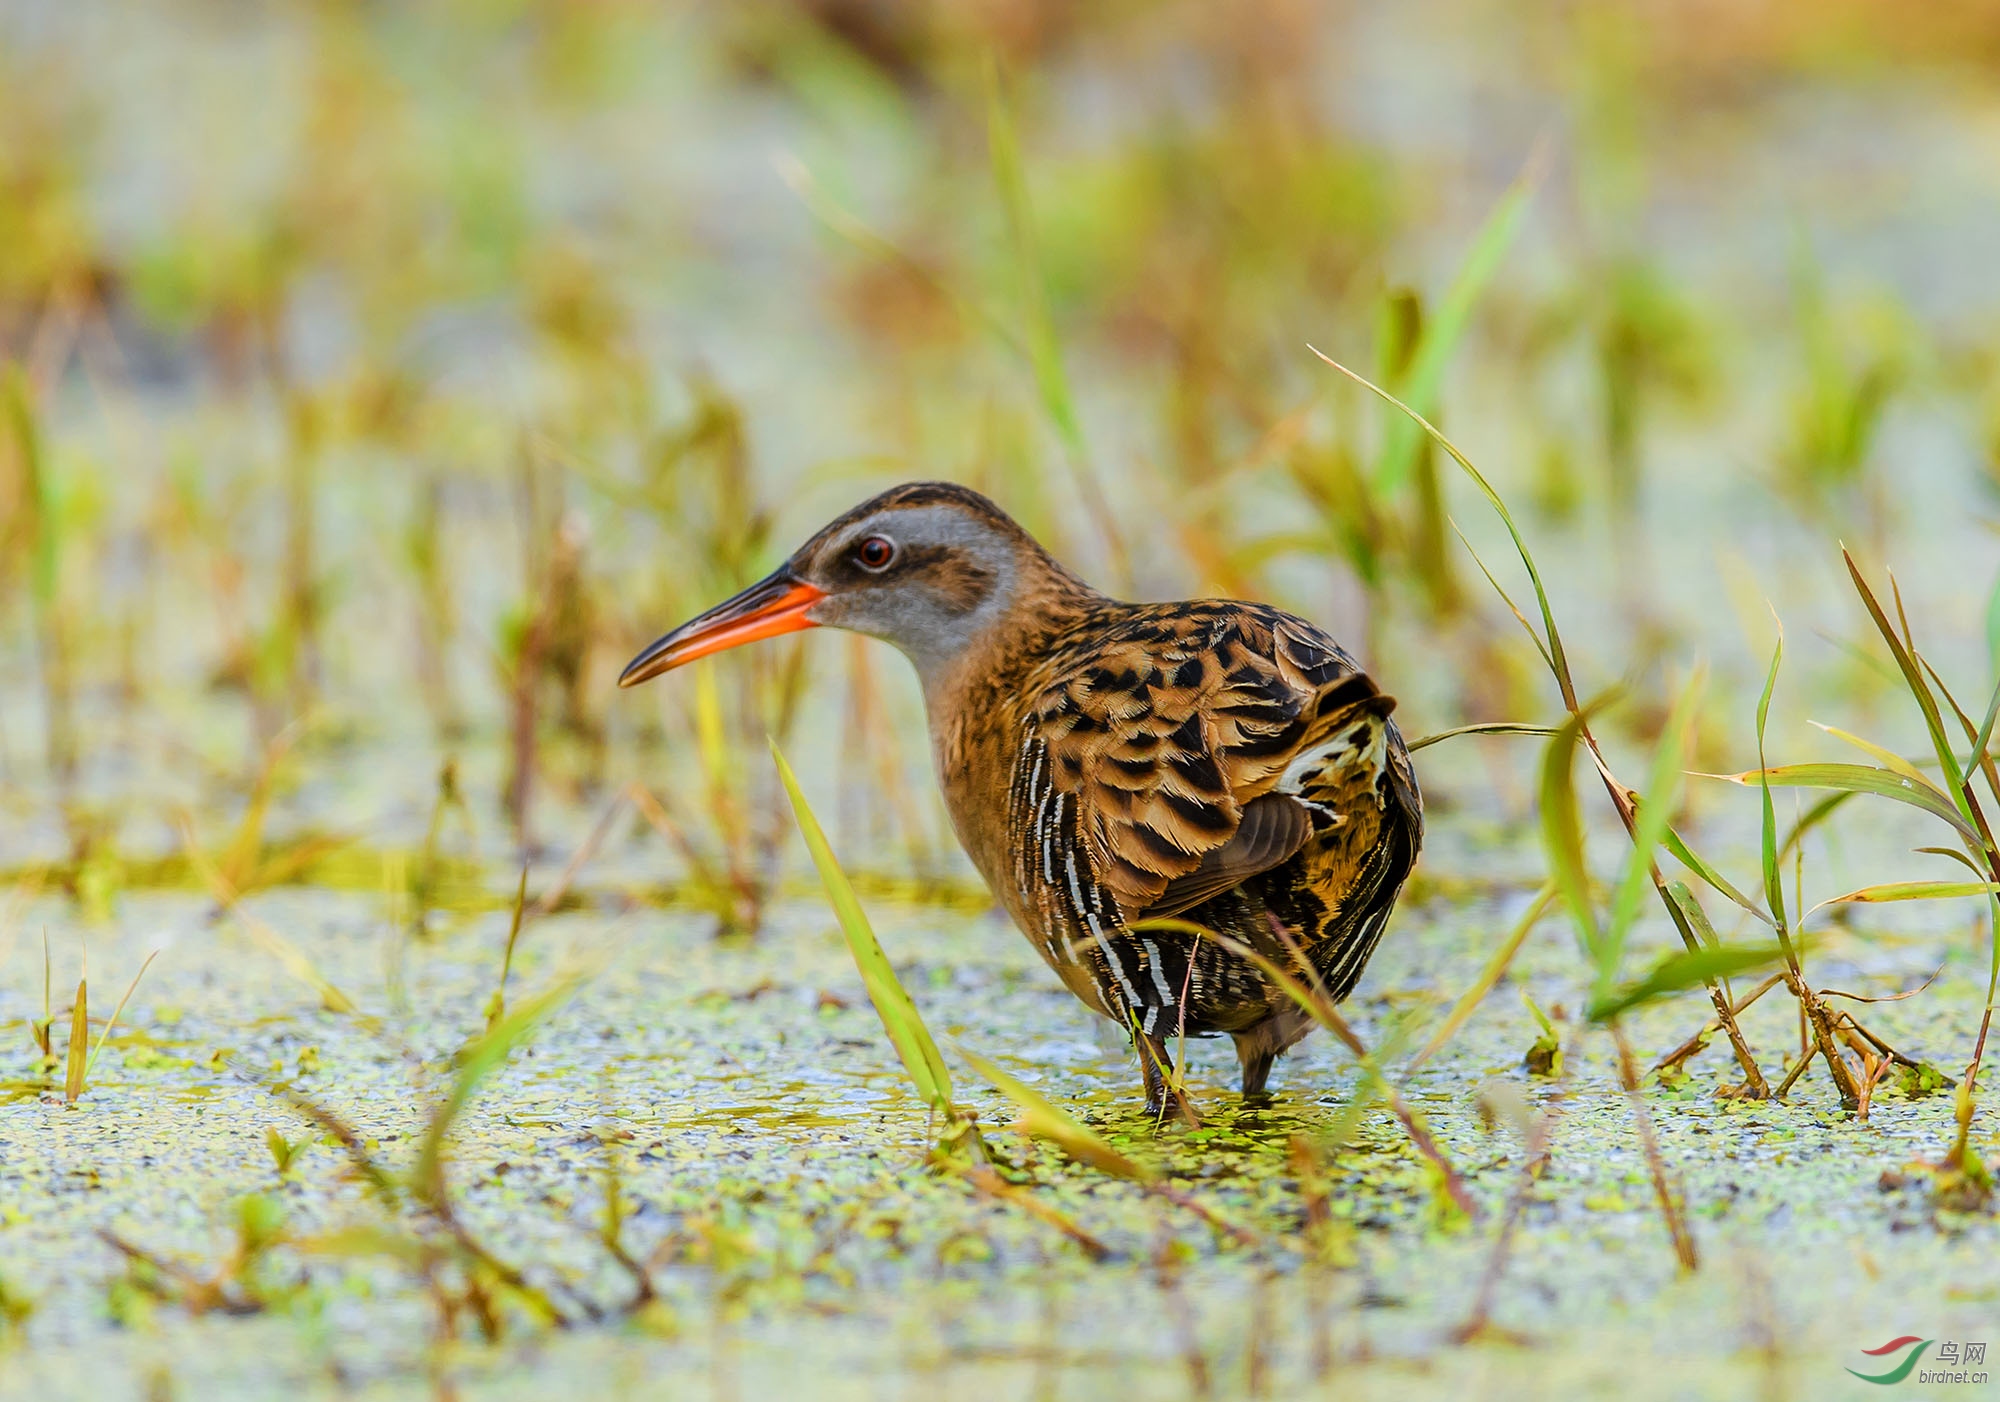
(770, 1152)
(374, 381)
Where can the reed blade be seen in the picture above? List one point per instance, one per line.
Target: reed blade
(79, 1043)
(1683, 970)
(1040, 1119)
(119, 1011)
(900, 1019)
(1433, 353)
(1855, 778)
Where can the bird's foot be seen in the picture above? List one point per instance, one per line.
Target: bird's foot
(1163, 1090)
(1256, 1058)
(1176, 1103)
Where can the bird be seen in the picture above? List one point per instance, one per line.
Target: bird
(1222, 766)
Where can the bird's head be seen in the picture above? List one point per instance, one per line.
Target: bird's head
(928, 566)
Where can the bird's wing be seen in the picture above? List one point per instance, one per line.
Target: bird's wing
(1272, 828)
(1170, 736)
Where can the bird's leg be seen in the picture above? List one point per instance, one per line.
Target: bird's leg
(1156, 1067)
(1260, 1045)
(1256, 1054)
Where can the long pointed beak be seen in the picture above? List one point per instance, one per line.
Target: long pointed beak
(774, 605)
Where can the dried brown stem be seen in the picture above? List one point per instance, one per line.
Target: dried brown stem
(198, 1294)
(1693, 1045)
(343, 1133)
(1797, 1070)
(1979, 1046)
(1670, 1208)
(1885, 1049)
(599, 831)
(982, 1177)
(1536, 1151)
(1877, 1068)
(1821, 1023)
(1754, 1084)
(1169, 1193)
(1330, 1018)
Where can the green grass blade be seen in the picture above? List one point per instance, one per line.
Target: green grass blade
(1913, 676)
(1558, 660)
(79, 1043)
(1955, 855)
(1313, 999)
(1699, 865)
(275, 944)
(1993, 944)
(1491, 727)
(1663, 784)
(1496, 966)
(1911, 891)
(1821, 810)
(1977, 760)
(1562, 833)
(1507, 599)
(478, 1062)
(1044, 352)
(118, 1012)
(496, 1007)
(1690, 909)
(1441, 335)
(1318, 1005)
(1888, 758)
(1774, 886)
(912, 1040)
(1982, 741)
(1308, 999)
(1681, 971)
(1855, 778)
(1040, 1119)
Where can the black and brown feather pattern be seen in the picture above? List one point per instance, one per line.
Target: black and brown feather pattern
(1222, 762)
(1107, 765)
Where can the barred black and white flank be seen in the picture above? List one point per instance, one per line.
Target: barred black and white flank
(1224, 764)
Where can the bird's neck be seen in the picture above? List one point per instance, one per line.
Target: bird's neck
(976, 704)
(982, 678)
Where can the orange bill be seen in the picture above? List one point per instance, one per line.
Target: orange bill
(772, 606)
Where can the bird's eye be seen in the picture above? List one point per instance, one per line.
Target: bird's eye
(876, 552)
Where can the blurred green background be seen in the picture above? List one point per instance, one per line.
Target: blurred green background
(377, 378)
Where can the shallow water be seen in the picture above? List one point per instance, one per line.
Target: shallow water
(767, 1147)
(739, 1098)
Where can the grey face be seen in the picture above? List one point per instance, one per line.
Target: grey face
(928, 566)
(929, 579)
